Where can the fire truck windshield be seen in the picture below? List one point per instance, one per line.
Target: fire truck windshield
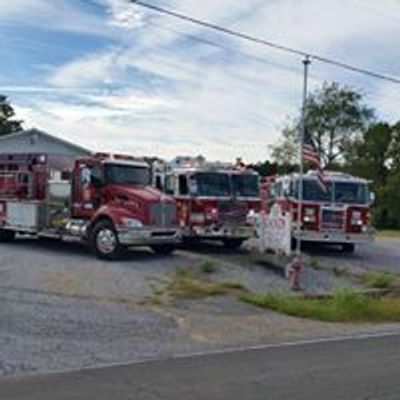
(312, 191)
(245, 185)
(338, 192)
(127, 174)
(351, 193)
(213, 184)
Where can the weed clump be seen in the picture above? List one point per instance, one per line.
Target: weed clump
(343, 306)
(208, 267)
(189, 285)
(378, 280)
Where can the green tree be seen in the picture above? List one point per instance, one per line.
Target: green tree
(370, 158)
(8, 125)
(335, 117)
(390, 193)
(286, 151)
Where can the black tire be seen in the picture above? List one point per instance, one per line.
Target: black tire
(233, 244)
(188, 243)
(163, 248)
(104, 241)
(348, 248)
(6, 236)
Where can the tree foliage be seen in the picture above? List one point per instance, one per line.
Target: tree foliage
(349, 138)
(335, 117)
(8, 124)
(268, 168)
(370, 158)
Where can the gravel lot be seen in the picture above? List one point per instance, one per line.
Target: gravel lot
(63, 309)
(382, 255)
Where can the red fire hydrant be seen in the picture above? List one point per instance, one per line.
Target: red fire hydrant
(294, 271)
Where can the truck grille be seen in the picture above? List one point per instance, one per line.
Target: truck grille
(232, 213)
(163, 214)
(332, 220)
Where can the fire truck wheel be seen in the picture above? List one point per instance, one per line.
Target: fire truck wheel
(104, 241)
(163, 248)
(348, 248)
(6, 236)
(233, 243)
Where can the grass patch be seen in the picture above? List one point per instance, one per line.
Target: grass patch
(314, 263)
(208, 267)
(391, 233)
(343, 306)
(341, 271)
(186, 285)
(378, 280)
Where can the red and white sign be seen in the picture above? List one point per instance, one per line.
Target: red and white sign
(274, 232)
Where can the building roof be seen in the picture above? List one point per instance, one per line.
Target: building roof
(37, 141)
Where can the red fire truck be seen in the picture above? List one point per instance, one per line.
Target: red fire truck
(340, 215)
(104, 200)
(213, 199)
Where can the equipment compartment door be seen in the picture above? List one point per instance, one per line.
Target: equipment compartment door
(24, 215)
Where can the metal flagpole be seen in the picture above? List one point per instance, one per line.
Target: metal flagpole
(306, 63)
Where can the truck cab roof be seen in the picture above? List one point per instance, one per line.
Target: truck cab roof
(128, 163)
(330, 176)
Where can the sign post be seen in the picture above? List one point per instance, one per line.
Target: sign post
(306, 63)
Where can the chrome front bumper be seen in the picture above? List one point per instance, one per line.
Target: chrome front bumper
(335, 237)
(149, 236)
(224, 232)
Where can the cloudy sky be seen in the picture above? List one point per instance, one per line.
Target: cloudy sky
(111, 76)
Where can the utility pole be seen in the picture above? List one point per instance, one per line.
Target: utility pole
(306, 63)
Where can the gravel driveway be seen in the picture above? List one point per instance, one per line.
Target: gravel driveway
(381, 255)
(62, 309)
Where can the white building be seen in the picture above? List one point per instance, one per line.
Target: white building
(34, 141)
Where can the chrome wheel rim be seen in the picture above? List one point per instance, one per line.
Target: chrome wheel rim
(106, 241)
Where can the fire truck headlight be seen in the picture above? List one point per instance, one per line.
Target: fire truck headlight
(251, 217)
(212, 213)
(251, 214)
(310, 215)
(132, 223)
(197, 218)
(356, 218)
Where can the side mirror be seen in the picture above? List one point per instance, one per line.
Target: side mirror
(372, 197)
(286, 188)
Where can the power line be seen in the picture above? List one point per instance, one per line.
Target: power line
(228, 49)
(316, 78)
(264, 42)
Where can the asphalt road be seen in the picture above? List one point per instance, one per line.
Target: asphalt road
(358, 368)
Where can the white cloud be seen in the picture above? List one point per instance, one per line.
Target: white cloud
(59, 15)
(217, 95)
(21, 7)
(386, 99)
(123, 15)
(90, 70)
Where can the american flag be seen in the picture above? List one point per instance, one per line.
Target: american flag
(311, 155)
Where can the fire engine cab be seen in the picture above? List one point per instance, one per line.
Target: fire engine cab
(213, 199)
(104, 200)
(338, 215)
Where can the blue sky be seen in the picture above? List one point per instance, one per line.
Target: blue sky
(111, 76)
